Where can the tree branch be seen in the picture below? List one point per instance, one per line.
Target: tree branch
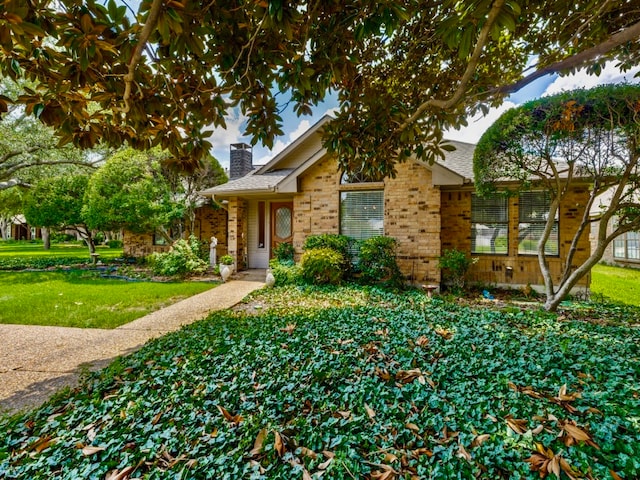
(14, 182)
(577, 60)
(466, 77)
(150, 24)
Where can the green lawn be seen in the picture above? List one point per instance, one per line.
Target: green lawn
(618, 284)
(26, 249)
(81, 299)
(350, 383)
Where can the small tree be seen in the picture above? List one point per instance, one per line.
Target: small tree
(591, 137)
(129, 192)
(57, 203)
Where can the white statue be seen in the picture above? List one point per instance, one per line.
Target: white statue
(212, 251)
(270, 280)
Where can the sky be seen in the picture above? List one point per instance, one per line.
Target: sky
(294, 126)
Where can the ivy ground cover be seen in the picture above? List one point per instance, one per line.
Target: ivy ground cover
(350, 383)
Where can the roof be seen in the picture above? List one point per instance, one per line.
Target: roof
(251, 183)
(460, 161)
(280, 174)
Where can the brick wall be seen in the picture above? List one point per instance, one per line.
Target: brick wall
(140, 244)
(316, 209)
(208, 222)
(237, 231)
(212, 222)
(412, 208)
(456, 233)
(412, 217)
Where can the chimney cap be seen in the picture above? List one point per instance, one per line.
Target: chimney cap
(241, 146)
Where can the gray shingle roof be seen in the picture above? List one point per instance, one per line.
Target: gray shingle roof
(251, 182)
(460, 160)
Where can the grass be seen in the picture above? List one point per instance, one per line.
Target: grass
(345, 383)
(25, 249)
(81, 299)
(616, 283)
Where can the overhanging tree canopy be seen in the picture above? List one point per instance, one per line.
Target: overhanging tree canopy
(405, 69)
(590, 137)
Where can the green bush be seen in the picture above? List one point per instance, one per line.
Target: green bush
(183, 259)
(339, 243)
(322, 265)
(114, 243)
(285, 273)
(455, 265)
(284, 252)
(378, 261)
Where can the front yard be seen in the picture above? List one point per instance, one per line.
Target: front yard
(83, 299)
(350, 383)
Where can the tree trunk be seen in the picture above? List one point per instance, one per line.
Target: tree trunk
(46, 238)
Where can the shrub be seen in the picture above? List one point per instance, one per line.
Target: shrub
(378, 261)
(226, 260)
(284, 252)
(455, 265)
(286, 273)
(183, 259)
(339, 243)
(114, 243)
(322, 265)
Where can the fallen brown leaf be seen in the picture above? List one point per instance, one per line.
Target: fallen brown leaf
(279, 444)
(91, 450)
(259, 441)
(480, 439)
(518, 425)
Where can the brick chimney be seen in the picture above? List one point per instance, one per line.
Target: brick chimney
(240, 160)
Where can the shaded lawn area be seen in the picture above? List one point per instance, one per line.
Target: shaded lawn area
(618, 284)
(82, 299)
(350, 383)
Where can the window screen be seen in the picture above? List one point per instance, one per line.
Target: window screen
(534, 211)
(362, 214)
(489, 225)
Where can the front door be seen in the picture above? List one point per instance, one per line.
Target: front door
(281, 224)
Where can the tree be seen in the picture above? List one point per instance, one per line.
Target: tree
(57, 203)
(129, 192)
(10, 206)
(405, 69)
(185, 185)
(29, 150)
(587, 137)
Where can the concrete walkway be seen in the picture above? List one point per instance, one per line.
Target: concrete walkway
(37, 361)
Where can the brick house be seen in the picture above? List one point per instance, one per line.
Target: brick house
(426, 208)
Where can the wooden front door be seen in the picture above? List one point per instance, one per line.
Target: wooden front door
(281, 224)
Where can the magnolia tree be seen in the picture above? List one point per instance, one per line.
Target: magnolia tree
(404, 70)
(585, 137)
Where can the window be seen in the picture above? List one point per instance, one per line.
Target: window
(489, 225)
(534, 211)
(362, 213)
(627, 246)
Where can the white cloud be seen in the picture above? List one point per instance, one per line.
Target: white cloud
(478, 125)
(223, 137)
(610, 74)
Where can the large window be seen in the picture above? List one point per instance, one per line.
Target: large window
(362, 213)
(627, 246)
(489, 225)
(534, 211)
